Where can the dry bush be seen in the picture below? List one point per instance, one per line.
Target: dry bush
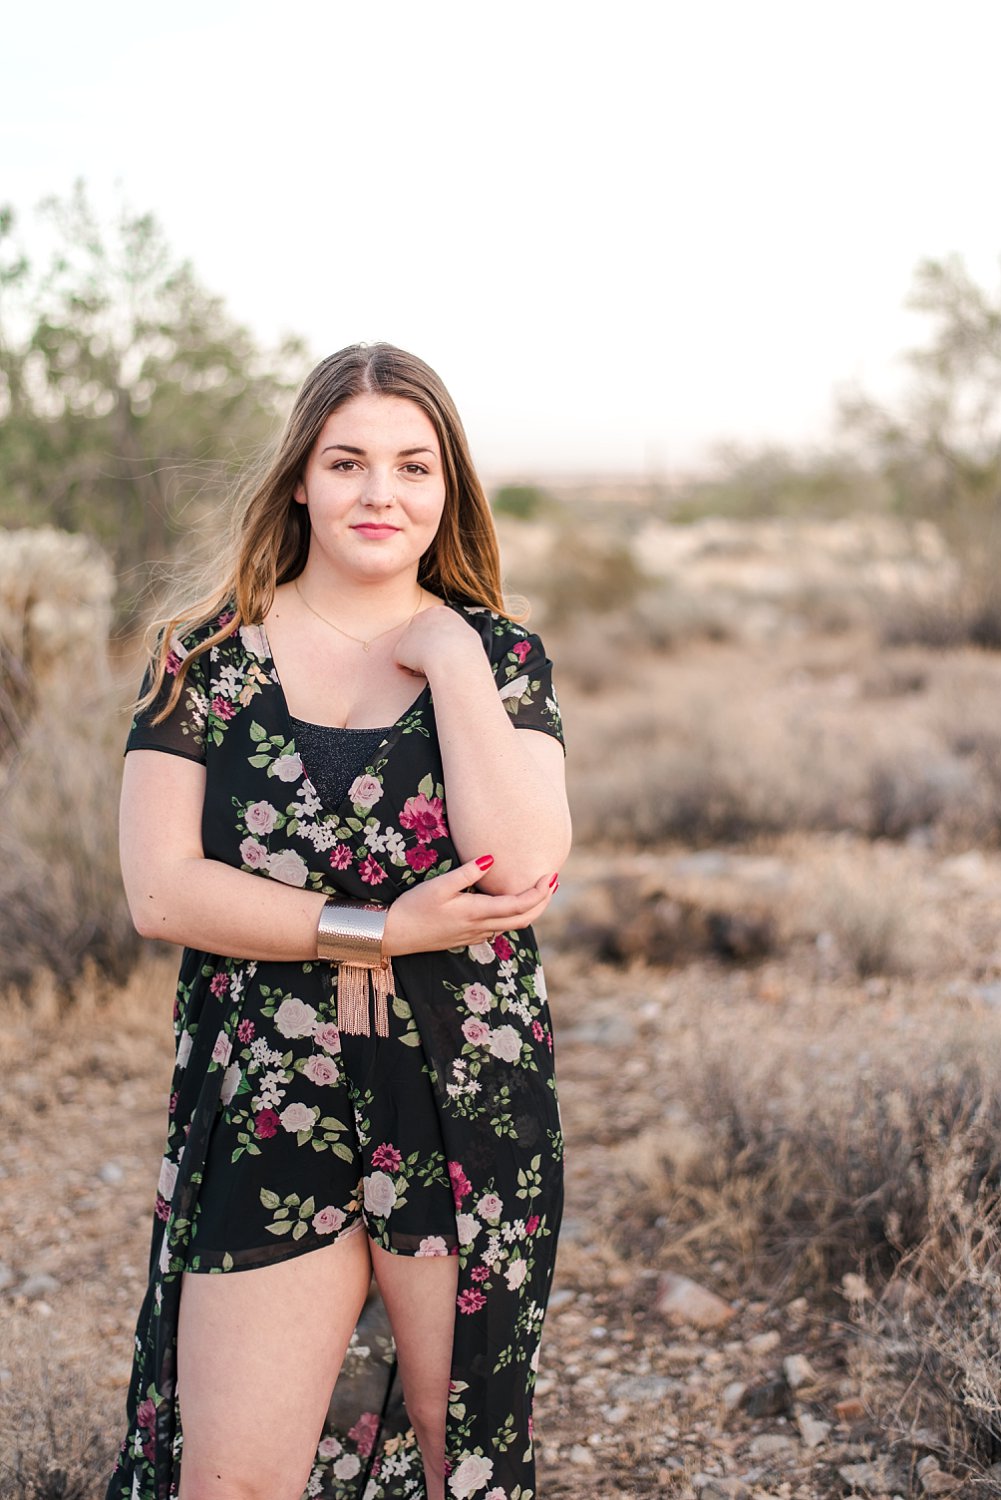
(810, 1146)
(929, 1353)
(62, 906)
(865, 916)
(54, 1444)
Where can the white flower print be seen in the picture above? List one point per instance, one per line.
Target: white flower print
(296, 1117)
(168, 1179)
(375, 840)
(490, 1206)
(254, 641)
(380, 1194)
(505, 1043)
(347, 1466)
(287, 768)
(295, 1018)
(230, 1083)
(222, 1049)
(329, 1448)
(513, 689)
(515, 1274)
(469, 1476)
(287, 866)
(481, 953)
(184, 1045)
(539, 981)
(478, 998)
(467, 1227)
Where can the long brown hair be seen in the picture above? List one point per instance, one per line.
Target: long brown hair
(269, 540)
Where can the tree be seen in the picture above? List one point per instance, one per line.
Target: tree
(940, 448)
(128, 395)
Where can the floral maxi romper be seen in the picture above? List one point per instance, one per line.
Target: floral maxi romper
(442, 1138)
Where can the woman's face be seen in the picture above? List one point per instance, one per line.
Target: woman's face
(374, 487)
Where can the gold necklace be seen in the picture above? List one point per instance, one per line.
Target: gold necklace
(364, 644)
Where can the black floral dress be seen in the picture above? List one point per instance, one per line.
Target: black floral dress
(443, 1138)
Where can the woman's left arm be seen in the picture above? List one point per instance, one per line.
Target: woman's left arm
(505, 786)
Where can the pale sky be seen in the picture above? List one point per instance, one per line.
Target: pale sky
(619, 232)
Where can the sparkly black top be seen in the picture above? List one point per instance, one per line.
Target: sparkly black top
(333, 756)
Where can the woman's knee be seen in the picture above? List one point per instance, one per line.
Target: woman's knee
(205, 1480)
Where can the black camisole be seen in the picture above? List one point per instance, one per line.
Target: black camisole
(334, 756)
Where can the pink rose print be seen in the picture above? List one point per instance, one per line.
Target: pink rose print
(265, 1124)
(371, 871)
(424, 816)
(162, 1208)
(471, 1301)
(328, 1219)
(222, 708)
(421, 858)
(340, 856)
(502, 947)
(173, 664)
(387, 1157)
(365, 791)
(328, 1037)
(222, 1049)
(549, 1040)
(364, 1432)
(432, 1244)
(245, 1031)
(225, 618)
(320, 1070)
(490, 1206)
(461, 1184)
(173, 1102)
(532, 1224)
(253, 854)
(478, 998)
(475, 1031)
(537, 1030)
(521, 650)
(220, 984)
(480, 1273)
(146, 1415)
(261, 817)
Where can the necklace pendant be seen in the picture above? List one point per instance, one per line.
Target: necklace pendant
(365, 645)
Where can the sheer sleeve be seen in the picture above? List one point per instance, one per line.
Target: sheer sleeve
(524, 676)
(182, 732)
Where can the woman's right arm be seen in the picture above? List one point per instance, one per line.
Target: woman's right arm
(176, 894)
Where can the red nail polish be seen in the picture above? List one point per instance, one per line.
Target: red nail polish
(485, 861)
(555, 878)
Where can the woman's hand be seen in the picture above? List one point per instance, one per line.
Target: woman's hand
(443, 913)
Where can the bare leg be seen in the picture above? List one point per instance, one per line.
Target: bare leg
(419, 1293)
(258, 1354)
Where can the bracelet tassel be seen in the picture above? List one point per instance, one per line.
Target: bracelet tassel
(353, 997)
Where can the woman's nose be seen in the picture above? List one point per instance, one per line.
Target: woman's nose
(379, 487)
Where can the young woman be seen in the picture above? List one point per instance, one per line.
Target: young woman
(364, 1075)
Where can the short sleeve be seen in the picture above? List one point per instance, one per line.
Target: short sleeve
(524, 676)
(182, 732)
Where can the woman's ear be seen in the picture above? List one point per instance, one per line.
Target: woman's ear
(299, 493)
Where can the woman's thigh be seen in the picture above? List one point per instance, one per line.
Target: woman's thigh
(258, 1354)
(419, 1293)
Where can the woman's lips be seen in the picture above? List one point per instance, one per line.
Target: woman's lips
(376, 530)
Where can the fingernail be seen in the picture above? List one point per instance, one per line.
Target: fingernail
(555, 878)
(556, 887)
(485, 861)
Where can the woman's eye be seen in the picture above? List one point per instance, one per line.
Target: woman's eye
(344, 463)
(415, 468)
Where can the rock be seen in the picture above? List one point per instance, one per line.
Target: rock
(733, 1394)
(581, 1455)
(684, 1301)
(6, 1276)
(37, 1285)
(769, 1399)
(560, 1298)
(111, 1173)
(771, 1445)
(798, 1370)
(851, 1409)
(642, 1388)
(868, 1477)
(716, 1487)
(935, 1481)
(811, 1429)
(764, 1343)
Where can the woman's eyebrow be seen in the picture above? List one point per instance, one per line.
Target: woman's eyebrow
(403, 453)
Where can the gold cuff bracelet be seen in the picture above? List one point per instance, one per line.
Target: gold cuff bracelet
(349, 934)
